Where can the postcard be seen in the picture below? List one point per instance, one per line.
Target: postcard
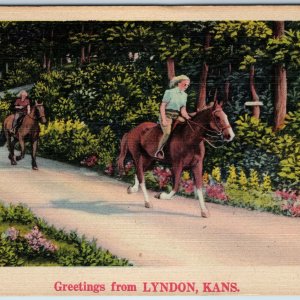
(149, 150)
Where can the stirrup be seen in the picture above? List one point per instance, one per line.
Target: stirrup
(159, 154)
(12, 130)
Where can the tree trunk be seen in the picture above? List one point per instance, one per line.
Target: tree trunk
(255, 98)
(49, 63)
(227, 86)
(280, 82)
(89, 52)
(45, 61)
(82, 58)
(171, 68)
(202, 95)
(203, 77)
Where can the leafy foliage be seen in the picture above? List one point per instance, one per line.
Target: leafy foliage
(67, 140)
(45, 245)
(24, 72)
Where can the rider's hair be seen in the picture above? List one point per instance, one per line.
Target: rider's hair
(22, 92)
(175, 80)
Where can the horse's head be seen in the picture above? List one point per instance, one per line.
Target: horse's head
(40, 112)
(219, 122)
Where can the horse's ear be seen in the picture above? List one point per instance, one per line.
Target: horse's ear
(215, 99)
(215, 104)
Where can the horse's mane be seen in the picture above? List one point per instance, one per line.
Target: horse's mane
(206, 107)
(203, 110)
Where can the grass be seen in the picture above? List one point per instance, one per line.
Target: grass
(71, 249)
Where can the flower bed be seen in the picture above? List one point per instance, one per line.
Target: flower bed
(29, 241)
(235, 188)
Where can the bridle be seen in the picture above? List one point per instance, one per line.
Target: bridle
(216, 133)
(221, 129)
(40, 116)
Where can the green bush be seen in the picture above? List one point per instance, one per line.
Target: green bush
(25, 71)
(9, 253)
(257, 146)
(68, 140)
(253, 199)
(102, 94)
(16, 213)
(87, 254)
(46, 245)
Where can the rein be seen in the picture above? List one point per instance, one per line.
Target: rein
(35, 119)
(219, 132)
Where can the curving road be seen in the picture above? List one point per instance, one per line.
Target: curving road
(170, 234)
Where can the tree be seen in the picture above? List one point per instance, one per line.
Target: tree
(280, 83)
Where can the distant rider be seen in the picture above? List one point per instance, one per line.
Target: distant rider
(22, 108)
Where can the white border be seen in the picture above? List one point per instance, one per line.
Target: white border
(146, 2)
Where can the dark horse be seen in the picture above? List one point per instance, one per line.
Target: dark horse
(185, 149)
(29, 129)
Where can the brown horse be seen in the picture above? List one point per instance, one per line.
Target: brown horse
(185, 149)
(29, 130)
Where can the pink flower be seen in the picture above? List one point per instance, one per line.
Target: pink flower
(216, 191)
(109, 170)
(128, 166)
(163, 176)
(90, 161)
(37, 242)
(12, 233)
(292, 195)
(187, 185)
(290, 202)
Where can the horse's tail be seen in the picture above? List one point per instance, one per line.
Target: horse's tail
(123, 152)
(2, 137)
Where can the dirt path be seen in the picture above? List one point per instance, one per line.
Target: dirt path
(170, 234)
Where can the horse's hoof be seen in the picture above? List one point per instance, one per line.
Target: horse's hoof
(148, 205)
(19, 157)
(131, 190)
(13, 163)
(165, 196)
(157, 196)
(205, 214)
(35, 168)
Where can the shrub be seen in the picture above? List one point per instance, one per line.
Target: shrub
(257, 147)
(68, 140)
(253, 199)
(25, 71)
(87, 254)
(8, 253)
(17, 249)
(102, 94)
(18, 213)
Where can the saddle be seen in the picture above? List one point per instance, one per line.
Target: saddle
(18, 125)
(151, 136)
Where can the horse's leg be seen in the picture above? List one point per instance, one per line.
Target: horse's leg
(141, 178)
(22, 145)
(134, 188)
(34, 144)
(177, 169)
(11, 150)
(197, 171)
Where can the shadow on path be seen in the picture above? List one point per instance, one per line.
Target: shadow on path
(118, 208)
